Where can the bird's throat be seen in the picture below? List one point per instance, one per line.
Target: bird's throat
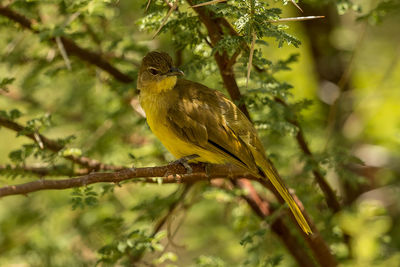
(165, 84)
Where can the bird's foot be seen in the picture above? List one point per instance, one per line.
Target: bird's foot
(184, 161)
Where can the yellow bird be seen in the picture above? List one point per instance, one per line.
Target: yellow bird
(192, 119)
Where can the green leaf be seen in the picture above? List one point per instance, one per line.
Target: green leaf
(4, 82)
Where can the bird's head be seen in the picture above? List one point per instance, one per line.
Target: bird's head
(157, 72)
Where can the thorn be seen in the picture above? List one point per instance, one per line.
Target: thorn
(296, 5)
(297, 19)
(166, 18)
(38, 140)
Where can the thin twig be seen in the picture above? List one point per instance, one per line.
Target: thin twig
(209, 3)
(54, 146)
(164, 21)
(63, 52)
(172, 233)
(262, 209)
(253, 42)
(38, 140)
(330, 196)
(171, 209)
(164, 219)
(319, 247)
(147, 6)
(70, 46)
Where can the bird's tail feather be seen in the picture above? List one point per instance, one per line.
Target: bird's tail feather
(277, 182)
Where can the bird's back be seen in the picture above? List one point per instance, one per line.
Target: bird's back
(226, 130)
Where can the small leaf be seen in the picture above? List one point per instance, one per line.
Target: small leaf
(6, 81)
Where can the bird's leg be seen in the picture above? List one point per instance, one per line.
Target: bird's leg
(207, 169)
(184, 161)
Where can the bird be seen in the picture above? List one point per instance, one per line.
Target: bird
(191, 119)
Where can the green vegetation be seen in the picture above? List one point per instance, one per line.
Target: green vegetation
(323, 93)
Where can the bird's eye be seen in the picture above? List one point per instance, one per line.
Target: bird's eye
(153, 71)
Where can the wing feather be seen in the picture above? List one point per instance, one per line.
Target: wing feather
(200, 119)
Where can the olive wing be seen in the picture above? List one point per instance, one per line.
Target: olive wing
(200, 117)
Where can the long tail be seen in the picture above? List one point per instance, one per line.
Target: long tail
(278, 183)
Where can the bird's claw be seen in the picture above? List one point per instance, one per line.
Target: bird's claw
(184, 162)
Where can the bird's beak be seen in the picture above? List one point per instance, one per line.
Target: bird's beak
(175, 72)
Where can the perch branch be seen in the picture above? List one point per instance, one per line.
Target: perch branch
(172, 173)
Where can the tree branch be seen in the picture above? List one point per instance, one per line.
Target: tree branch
(215, 31)
(213, 25)
(225, 65)
(262, 208)
(214, 28)
(54, 146)
(161, 222)
(318, 246)
(70, 46)
(172, 173)
(330, 196)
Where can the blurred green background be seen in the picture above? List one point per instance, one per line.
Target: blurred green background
(347, 65)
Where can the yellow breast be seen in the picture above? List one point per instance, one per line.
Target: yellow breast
(156, 103)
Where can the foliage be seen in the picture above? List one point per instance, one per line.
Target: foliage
(54, 93)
